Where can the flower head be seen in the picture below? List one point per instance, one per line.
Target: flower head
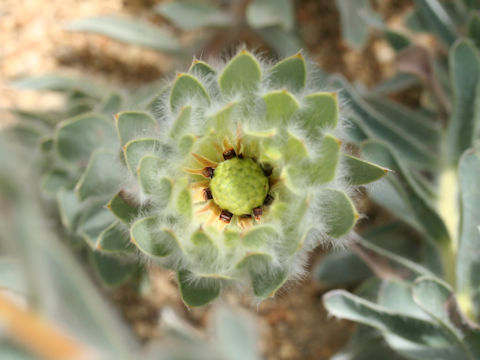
(244, 175)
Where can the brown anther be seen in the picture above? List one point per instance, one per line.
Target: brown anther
(267, 169)
(226, 216)
(240, 156)
(257, 212)
(208, 172)
(228, 154)
(207, 194)
(268, 200)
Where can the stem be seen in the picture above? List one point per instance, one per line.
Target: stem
(449, 210)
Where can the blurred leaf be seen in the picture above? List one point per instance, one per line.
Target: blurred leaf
(150, 240)
(112, 271)
(468, 261)
(264, 13)
(398, 82)
(354, 27)
(341, 268)
(189, 15)
(437, 19)
(197, 291)
(473, 29)
(58, 82)
(129, 31)
(122, 207)
(11, 277)
(136, 149)
(236, 334)
(418, 126)
(341, 212)
(465, 73)
(284, 43)
(376, 126)
(134, 124)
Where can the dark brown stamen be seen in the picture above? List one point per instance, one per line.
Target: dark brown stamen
(226, 216)
(208, 172)
(228, 154)
(267, 169)
(207, 194)
(268, 200)
(240, 156)
(257, 212)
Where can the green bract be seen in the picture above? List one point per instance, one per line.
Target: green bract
(231, 177)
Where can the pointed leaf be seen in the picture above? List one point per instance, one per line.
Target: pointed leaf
(197, 291)
(150, 180)
(123, 208)
(111, 104)
(465, 71)
(101, 177)
(152, 240)
(242, 74)
(341, 212)
(181, 122)
(324, 167)
(437, 19)
(280, 105)
(266, 280)
(321, 112)
(201, 68)
(362, 172)
(187, 89)
(129, 31)
(290, 73)
(78, 137)
(113, 239)
(134, 124)
(295, 149)
(136, 149)
(112, 270)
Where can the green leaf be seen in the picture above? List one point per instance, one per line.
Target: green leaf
(266, 280)
(129, 31)
(189, 15)
(123, 208)
(136, 149)
(111, 104)
(438, 300)
(434, 15)
(101, 177)
(295, 149)
(54, 180)
(77, 138)
(113, 239)
(465, 72)
(58, 82)
(150, 180)
(341, 268)
(203, 252)
(396, 83)
(418, 126)
(187, 89)
(242, 74)
(184, 203)
(320, 113)
(266, 13)
(93, 221)
(473, 29)
(282, 41)
(341, 212)
(219, 121)
(181, 122)
(197, 291)
(201, 68)
(152, 240)
(354, 27)
(11, 277)
(134, 124)
(347, 306)
(397, 40)
(112, 270)
(375, 125)
(362, 172)
(69, 207)
(290, 74)
(280, 105)
(410, 193)
(259, 236)
(468, 261)
(323, 168)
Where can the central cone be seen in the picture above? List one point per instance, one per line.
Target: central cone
(239, 186)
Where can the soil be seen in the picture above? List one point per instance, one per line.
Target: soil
(293, 325)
